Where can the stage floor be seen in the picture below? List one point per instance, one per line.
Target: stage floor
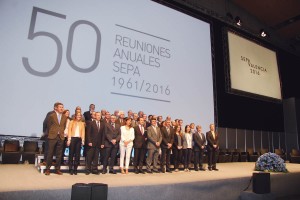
(15, 179)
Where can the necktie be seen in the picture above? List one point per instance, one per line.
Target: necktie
(98, 125)
(142, 131)
(59, 118)
(200, 136)
(113, 125)
(213, 133)
(168, 130)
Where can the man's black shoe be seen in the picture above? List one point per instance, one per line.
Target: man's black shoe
(169, 170)
(95, 172)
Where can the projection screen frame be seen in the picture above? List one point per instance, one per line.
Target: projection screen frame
(228, 86)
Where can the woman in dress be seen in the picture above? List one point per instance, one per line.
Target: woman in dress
(126, 143)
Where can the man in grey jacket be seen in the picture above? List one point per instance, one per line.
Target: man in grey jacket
(153, 146)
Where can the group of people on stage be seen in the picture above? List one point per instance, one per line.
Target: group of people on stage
(105, 134)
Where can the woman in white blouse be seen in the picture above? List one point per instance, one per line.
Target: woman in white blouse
(187, 147)
(126, 143)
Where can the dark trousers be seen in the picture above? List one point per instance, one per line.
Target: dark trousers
(46, 149)
(92, 158)
(74, 151)
(139, 156)
(165, 157)
(177, 155)
(110, 152)
(212, 157)
(64, 149)
(198, 159)
(187, 157)
(54, 144)
(102, 155)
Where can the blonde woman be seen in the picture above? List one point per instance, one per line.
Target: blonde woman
(76, 136)
(126, 143)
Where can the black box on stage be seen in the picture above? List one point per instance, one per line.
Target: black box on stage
(81, 191)
(91, 191)
(99, 191)
(261, 183)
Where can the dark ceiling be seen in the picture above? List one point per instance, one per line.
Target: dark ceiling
(281, 16)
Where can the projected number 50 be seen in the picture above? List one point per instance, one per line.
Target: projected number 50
(32, 35)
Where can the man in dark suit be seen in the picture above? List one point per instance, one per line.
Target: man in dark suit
(154, 141)
(56, 125)
(140, 146)
(167, 133)
(212, 138)
(120, 119)
(199, 145)
(88, 114)
(107, 117)
(112, 136)
(94, 140)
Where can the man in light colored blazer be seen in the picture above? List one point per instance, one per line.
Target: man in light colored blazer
(56, 125)
(153, 146)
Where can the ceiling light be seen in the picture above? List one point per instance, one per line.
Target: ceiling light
(263, 33)
(238, 21)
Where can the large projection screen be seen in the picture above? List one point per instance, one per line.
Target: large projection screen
(253, 68)
(119, 55)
